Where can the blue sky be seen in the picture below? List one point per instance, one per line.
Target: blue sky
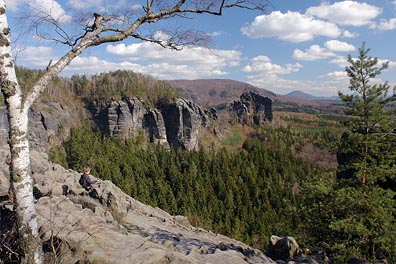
(294, 45)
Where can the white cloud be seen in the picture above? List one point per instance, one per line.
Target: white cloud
(386, 24)
(196, 57)
(351, 13)
(262, 65)
(284, 86)
(341, 61)
(339, 46)
(263, 73)
(163, 70)
(37, 56)
(44, 8)
(338, 75)
(12, 4)
(315, 52)
(41, 8)
(83, 4)
(348, 34)
(93, 65)
(291, 26)
(148, 58)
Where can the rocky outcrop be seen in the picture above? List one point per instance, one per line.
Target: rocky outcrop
(107, 226)
(176, 124)
(45, 122)
(252, 109)
(183, 119)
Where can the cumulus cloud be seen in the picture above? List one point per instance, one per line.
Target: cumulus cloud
(348, 34)
(264, 73)
(44, 8)
(262, 65)
(163, 70)
(190, 63)
(37, 56)
(41, 8)
(386, 24)
(339, 46)
(196, 56)
(291, 26)
(341, 61)
(350, 13)
(338, 75)
(93, 65)
(315, 52)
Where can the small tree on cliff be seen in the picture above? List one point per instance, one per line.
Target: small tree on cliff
(99, 30)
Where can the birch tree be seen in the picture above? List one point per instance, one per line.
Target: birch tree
(99, 29)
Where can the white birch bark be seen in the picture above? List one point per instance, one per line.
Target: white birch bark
(22, 182)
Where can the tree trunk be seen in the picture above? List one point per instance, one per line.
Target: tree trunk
(21, 178)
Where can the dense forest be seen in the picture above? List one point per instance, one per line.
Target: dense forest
(263, 181)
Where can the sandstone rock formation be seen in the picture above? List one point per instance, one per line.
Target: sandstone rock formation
(44, 123)
(252, 109)
(107, 226)
(183, 119)
(176, 124)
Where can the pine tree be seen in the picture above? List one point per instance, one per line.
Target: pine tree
(364, 208)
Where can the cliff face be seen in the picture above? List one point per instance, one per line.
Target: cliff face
(45, 123)
(176, 124)
(183, 119)
(252, 109)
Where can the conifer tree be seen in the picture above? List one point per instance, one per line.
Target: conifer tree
(364, 209)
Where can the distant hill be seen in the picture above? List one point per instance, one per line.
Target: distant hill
(301, 95)
(305, 96)
(213, 92)
(220, 93)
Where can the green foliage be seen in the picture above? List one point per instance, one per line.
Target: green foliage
(364, 209)
(248, 194)
(123, 84)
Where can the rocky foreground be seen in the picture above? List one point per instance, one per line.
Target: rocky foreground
(107, 226)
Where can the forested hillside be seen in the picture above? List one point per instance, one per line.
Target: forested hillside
(251, 182)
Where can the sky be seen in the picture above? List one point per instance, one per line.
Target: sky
(293, 45)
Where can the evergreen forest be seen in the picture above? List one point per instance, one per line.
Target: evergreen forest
(264, 181)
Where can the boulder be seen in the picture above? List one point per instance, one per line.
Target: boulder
(282, 248)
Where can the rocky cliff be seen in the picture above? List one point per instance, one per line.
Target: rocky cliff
(176, 124)
(252, 109)
(46, 122)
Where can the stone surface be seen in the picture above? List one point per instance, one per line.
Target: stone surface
(155, 126)
(282, 248)
(176, 124)
(252, 109)
(183, 120)
(107, 226)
